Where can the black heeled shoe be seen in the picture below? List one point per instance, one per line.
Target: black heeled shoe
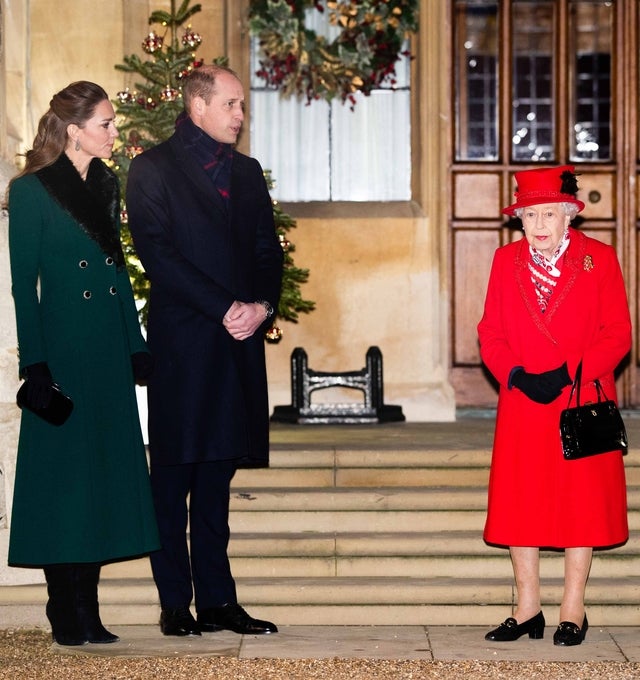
(569, 634)
(510, 629)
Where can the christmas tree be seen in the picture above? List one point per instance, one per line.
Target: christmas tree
(291, 300)
(146, 116)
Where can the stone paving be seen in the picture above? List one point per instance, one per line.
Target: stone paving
(443, 643)
(327, 653)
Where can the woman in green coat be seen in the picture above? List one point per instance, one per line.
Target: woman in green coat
(82, 495)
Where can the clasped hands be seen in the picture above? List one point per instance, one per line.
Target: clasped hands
(243, 319)
(541, 387)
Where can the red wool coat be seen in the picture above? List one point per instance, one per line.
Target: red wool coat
(536, 498)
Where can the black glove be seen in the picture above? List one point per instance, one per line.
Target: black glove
(39, 384)
(558, 377)
(538, 386)
(142, 365)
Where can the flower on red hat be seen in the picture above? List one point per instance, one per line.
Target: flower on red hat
(545, 185)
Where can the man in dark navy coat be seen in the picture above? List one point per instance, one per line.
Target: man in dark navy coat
(202, 223)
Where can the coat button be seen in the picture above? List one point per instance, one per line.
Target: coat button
(86, 294)
(83, 264)
(109, 260)
(112, 290)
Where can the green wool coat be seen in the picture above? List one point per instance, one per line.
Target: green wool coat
(82, 489)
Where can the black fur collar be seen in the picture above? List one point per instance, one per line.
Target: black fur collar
(94, 204)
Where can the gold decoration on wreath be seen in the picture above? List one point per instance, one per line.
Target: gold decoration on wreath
(298, 62)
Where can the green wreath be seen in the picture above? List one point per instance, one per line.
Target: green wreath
(297, 61)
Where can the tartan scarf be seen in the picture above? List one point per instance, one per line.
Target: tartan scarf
(545, 273)
(214, 157)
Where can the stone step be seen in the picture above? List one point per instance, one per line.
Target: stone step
(366, 555)
(341, 457)
(353, 468)
(371, 499)
(456, 543)
(348, 601)
(370, 526)
(358, 521)
(377, 499)
(356, 477)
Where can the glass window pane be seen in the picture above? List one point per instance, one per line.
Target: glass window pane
(476, 67)
(326, 151)
(591, 35)
(532, 137)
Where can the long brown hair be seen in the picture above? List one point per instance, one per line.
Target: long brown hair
(76, 103)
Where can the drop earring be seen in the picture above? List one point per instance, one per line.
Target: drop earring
(77, 145)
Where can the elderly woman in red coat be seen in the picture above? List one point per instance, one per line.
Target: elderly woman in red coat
(555, 298)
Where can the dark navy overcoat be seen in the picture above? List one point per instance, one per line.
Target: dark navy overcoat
(208, 392)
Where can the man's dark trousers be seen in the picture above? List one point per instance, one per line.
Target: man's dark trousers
(205, 486)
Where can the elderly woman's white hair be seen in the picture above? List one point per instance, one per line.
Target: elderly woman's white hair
(570, 209)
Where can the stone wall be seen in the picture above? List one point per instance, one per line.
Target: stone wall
(9, 412)
(374, 279)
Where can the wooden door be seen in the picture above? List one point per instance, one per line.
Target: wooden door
(540, 83)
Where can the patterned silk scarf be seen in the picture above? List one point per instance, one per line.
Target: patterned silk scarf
(545, 273)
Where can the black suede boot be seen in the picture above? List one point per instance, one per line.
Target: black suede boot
(87, 577)
(61, 607)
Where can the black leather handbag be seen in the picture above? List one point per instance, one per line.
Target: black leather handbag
(591, 428)
(58, 410)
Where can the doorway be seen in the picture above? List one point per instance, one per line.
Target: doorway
(549, 82)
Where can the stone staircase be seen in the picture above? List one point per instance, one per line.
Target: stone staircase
(371, 525)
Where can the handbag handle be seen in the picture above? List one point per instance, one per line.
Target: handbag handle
(576, 387)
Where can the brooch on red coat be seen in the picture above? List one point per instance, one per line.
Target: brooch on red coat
(587, 263)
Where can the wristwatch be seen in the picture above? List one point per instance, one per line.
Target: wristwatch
(268, 309)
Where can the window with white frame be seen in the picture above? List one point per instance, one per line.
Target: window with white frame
(329, 151)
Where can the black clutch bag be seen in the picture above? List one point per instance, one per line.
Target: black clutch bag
(593, 428)
(58, 410)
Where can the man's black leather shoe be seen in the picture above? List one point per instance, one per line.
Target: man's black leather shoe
(233, 617)
(178, 622)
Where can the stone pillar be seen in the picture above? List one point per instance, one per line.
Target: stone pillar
(9, 412)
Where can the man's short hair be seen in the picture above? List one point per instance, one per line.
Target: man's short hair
(201, 82)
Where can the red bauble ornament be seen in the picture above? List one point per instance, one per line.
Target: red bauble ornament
(152, 43)
(133, 150)
(274, 334)
(125, 97)
(191, 38)
(169, 94)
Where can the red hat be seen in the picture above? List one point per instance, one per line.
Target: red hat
(545, 185)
